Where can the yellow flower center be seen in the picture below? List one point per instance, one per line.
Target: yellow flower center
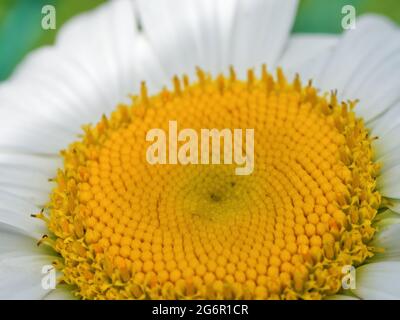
(125, 228)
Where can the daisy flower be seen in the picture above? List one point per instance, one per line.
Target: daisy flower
(320, 208)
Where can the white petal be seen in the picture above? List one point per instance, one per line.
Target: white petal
(12, 242)
(15, 213)
(386, 122)
(388, 160)
(21, 276)
(388, 238)
(107, 44)
(147, 67)
(341, 297)
(387, 149)
(380, 89)
(44, 164)
(75, 95)
(27, 176)
(307, 54)
(387, 128)
(388, 183)
(89, 38)
(99, 59)
(215, 34)
(60, 293)
(376, 281)
(174, 35)
(364, 66)
(394, 205)
(213, 23)
(25, 125)
(386, 218)
(260, 32)
(387, 146)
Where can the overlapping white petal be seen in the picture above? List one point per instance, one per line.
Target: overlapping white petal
(307, 55)
(388, 182)
(99, 58)
(341, 297)
(387, 240)
(361, 60)
(394, 205)
(386, 122)
(91, 39)
(376, 281)
(21, 276)
(172, 28)
(60, 293)
(15, 213)
(27, 175)
(24, 118)
(246, 34)
(13, 242)
(260, 32)
(387, 145)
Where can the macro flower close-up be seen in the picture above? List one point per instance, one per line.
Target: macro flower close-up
(202, 149)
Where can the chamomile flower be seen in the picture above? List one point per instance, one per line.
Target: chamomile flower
(322, 199)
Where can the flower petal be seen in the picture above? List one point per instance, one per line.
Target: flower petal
(386, 218)
(99, 58)
(215, 34)
(21, 276)
(388, 239)
(30, 129)
(61, 293)
(28, 175)
(378, 281)
(12, 242)
(136, 59)
(15, 213)
(260, 31)
(341, 297)
(90, 33)
(388, 183)
(387, 146)
(107, 43)
(386, 122)
(363, 66)
(174, 37)
(307, 54)
(389, 159)
(387, 129)
(74, 96)
(394, 205)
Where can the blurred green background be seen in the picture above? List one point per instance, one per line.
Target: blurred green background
(20, 21)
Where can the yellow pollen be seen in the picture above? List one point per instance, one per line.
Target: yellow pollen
(126, 229)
